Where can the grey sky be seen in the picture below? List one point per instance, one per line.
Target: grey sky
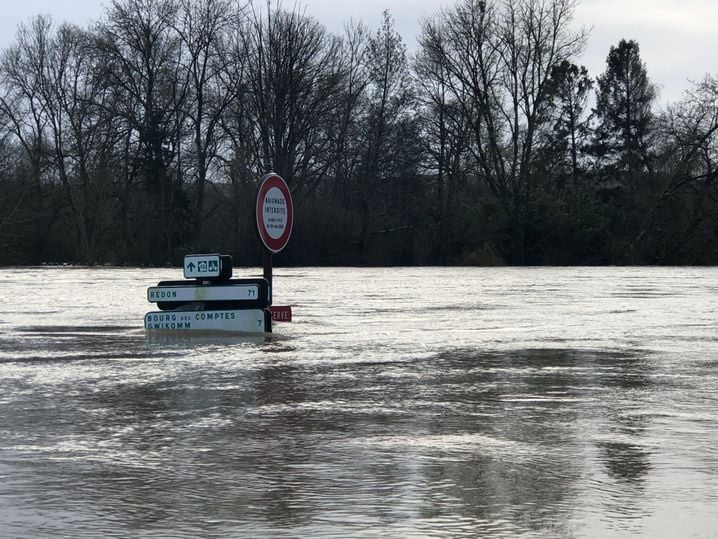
(676, 36)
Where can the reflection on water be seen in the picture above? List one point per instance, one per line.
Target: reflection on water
(501, 406)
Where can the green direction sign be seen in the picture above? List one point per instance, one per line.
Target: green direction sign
(202, 266)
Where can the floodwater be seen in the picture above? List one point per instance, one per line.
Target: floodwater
(410, 402)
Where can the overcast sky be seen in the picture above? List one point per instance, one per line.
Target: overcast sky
(677, 37)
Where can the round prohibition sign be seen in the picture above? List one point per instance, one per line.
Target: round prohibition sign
(275, 212)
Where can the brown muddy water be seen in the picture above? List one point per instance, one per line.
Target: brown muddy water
(423, 402)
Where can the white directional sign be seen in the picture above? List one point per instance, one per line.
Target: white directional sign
(245, 321)
(241, 292)
(202, 266)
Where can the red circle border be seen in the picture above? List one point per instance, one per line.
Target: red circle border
(268, 181)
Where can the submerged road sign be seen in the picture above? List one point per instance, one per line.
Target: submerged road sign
(207, 266)
(281, 313)
(244, 321)
(224, 294)
(202, 266)
(241, 292)
(213, 301)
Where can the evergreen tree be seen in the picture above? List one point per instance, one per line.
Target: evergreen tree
(571, 86)
(623, 110)
(389, 131)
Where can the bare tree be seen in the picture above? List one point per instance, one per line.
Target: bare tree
(25, 107)
(143, 57)
(18, 221)
(684, 212)
(21, 101)
(203, 27)
(499, 56)
(71, 94)
(445, 131)
(346, 128)
(294, 73)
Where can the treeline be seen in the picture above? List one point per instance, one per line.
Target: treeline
(144, 136)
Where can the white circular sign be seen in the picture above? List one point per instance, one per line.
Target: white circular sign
(275, 213)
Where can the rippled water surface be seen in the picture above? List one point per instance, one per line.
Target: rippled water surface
(569, 402)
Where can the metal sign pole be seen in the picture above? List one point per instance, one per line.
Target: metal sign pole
(274, 213)
(267, 262)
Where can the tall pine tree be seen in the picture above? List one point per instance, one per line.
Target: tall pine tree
(623, 111)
